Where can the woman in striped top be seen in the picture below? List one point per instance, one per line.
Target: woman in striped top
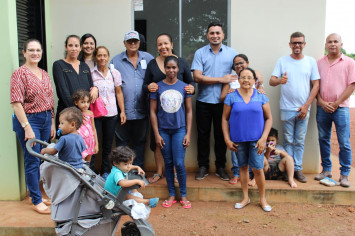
(32, 100)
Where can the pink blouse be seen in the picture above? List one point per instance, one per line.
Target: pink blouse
(107, 88)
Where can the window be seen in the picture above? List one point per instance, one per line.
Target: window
(185, 20)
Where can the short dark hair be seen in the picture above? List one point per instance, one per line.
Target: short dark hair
(82, 40)
(25, 44)
(73, 114)
(243, 56)
(80, 94)
(214, 24)
(297, 35)
(251, 70)
(274, 133)
(122, 154)
(171, 58)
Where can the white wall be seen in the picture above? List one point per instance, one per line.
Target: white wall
(261, 30)
(107, 20)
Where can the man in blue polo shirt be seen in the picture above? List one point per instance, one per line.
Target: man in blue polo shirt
(212, 66)
(132, 65)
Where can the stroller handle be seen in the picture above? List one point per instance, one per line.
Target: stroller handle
(36, 154)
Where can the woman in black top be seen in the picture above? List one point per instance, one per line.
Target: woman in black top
(155, 73)
(70, 75)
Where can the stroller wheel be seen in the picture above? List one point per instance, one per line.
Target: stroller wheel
(130, 229)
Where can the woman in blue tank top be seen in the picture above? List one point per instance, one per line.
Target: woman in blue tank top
(246, 123)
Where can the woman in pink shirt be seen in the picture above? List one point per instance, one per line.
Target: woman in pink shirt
(108, 81)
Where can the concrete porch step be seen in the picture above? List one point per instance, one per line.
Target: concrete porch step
(214, 189)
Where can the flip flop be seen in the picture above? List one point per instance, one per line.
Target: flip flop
(155, 178)
(234, 180)
(185, 204)
(168, 203)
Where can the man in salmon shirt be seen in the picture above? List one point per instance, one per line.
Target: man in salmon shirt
(337, 83)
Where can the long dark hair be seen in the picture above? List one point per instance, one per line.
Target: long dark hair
(82, 40)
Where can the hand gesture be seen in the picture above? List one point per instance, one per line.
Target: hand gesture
(228, 79)
(260, 145)
(232, 146)
(327, 107)
(140, 171)
(94, 93)
(159, 142)
(189, 89)
(186, 141)
(153, 87)
(284, 79)
(303, 112)
(141, 183)
(123, 118)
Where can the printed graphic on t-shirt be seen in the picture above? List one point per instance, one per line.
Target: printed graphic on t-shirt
(171, 100)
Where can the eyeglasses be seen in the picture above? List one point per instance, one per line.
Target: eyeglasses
(239, 63)
(246, 77)
(34, 50)
(132, 41)
(295, 43)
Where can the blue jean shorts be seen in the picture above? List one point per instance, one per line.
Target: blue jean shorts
(247, 155)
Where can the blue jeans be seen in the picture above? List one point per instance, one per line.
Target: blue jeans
(41, 126)
(294, 131)
(235, 167)
(341, 119)
(174, 155)
(133, 132)
(247, 155)
(107, 126)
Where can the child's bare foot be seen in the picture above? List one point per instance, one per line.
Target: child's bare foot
(251, 182)
(292, 184)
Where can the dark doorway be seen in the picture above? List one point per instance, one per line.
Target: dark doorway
(31, 24)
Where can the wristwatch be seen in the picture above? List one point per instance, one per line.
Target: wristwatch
(24, 124)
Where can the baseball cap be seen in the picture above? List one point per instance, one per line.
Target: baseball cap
(131, 35)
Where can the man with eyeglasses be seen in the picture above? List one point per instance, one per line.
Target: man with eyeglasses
(336, 86)
(299, 79)
(132, 65)
(212, 67)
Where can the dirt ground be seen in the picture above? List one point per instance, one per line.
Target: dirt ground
(220, 218)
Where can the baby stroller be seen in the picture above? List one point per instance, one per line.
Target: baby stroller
(80, 205)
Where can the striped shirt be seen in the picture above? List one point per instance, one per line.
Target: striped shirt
(335, 78)
(34, 94)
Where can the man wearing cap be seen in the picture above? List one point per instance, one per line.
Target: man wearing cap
(132, 65)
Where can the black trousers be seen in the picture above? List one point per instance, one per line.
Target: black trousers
(206, 113)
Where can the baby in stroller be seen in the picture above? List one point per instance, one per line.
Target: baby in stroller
(80, 204)
(122, 158)
(70, 144)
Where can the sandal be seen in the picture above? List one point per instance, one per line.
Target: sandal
(185, 204)
(168, 203)
(156, 177)
(175, 178)
(234, 180)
